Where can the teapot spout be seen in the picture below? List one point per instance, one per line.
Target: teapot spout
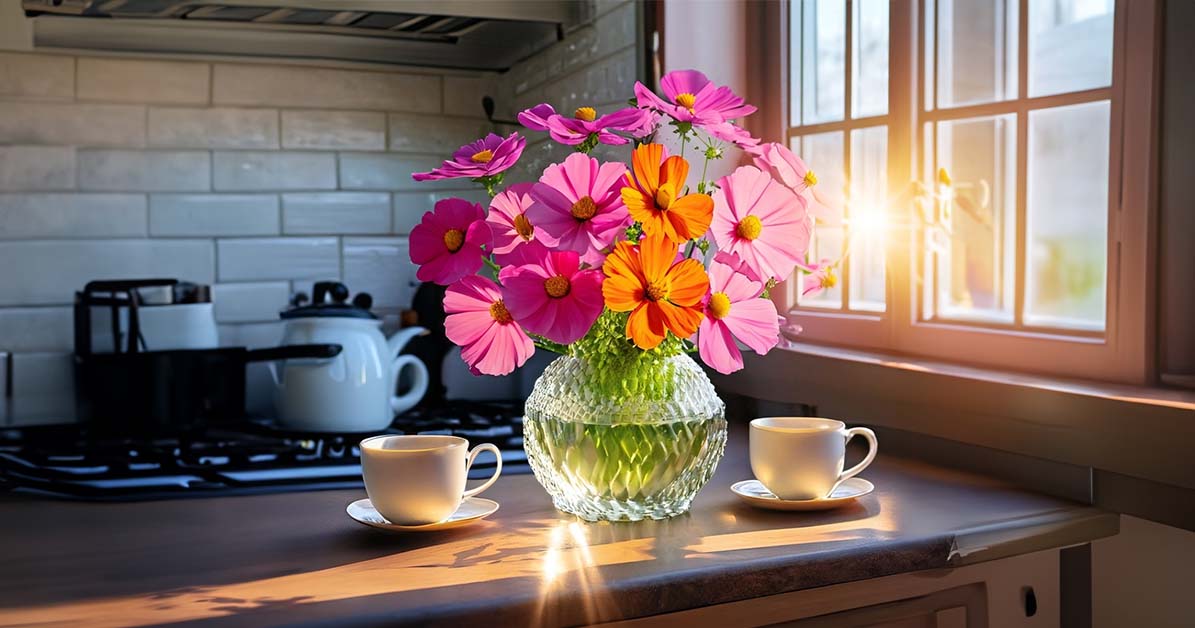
(401, 337)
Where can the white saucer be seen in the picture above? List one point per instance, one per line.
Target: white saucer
(754, 493)
(471, 509)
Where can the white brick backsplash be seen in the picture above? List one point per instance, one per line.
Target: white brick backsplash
(37, 77)
(328, 129)
(43, 389)
(37, 168)
(250, 302)
(250, 259)
(25, 329)
(380, 171)
(75, 124)
(219, 127)
(213, 214)
(336, 212)
(463, 94)
(149, 171)
(248, 170)
(143, 81)
(53, 270)
(417, 133)
(57, 215)
(615, 30)
(382, 267)
(284, 86)
(409, 207)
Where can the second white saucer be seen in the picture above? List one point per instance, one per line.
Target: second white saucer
(754, 493)
(471, 509)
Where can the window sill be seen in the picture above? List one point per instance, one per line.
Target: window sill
(1136, 431)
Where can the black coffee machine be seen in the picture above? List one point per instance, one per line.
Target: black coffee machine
(125, 385)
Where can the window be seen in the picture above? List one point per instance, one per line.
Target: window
(1011, 116)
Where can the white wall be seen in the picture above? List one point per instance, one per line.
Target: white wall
(1143, 577)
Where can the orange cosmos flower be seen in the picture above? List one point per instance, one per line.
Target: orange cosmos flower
(661, 296)
(654, 196)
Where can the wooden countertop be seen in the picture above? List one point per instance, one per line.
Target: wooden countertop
(296, 558)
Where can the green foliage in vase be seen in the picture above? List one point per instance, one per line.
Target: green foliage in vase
(618, 369)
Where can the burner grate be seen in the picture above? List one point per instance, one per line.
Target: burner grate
(66, 461)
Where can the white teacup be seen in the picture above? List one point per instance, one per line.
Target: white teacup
(415, 479)
(802, 458)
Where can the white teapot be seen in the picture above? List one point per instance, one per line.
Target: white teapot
(354, 391)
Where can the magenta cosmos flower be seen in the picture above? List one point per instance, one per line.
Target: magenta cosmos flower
(691, 97)
(786, 167)
(509, 224)
(447, 243)
(734, 310)
(486, 157)
(491, 342)
(761, 221)
(551, 296)
(584, 123)
(578, 205)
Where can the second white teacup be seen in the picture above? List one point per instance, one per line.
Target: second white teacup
(799, 458)
(417, 479)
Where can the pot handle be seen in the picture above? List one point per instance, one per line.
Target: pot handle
(288, 352)
(419, 380)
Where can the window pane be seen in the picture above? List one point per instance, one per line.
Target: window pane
(869, 89)
(975, 274)
(794, 64)
(1070, 45)
(824, 153)
(823, 46)
(1067, 228)
(867, 217)
(977, 51)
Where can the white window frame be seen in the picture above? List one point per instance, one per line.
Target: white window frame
(1123, 352)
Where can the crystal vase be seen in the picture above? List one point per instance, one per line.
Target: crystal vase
(624, 435)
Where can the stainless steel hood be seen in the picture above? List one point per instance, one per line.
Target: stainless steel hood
(467, 34)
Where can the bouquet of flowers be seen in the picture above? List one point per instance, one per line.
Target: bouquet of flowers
(663, 264)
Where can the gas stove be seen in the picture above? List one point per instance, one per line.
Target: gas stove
(68, 462)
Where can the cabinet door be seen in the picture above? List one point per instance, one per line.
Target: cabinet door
(961, 607)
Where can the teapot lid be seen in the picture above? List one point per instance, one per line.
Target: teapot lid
(330, 300)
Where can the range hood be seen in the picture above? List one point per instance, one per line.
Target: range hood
(466, 34)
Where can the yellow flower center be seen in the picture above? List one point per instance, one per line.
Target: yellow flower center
(499, 313)
(686, 100)
(483, 157)
(719, 305)
(810, 178)
(523, 227)
(664, 197)
(584, 208)
(749, 228)
(557, 287)
(656, 292)
(588, 114)
(829, 280)
(454, 239)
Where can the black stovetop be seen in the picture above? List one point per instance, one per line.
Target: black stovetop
(68, 462)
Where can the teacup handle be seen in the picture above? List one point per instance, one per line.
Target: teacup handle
(872, 448)
(498, 471)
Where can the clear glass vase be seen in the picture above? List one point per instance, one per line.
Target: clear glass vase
(625, 435)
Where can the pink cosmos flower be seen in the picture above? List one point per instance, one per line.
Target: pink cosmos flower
(728, 132)
(761, 221)
(508, 222)
(552, 296)
(486, 157)
(491, 342)
(584, 123)
(691, 97)
(786, 167)
(578, 205)
(447, 243)
(818, 277)
(733, 310)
